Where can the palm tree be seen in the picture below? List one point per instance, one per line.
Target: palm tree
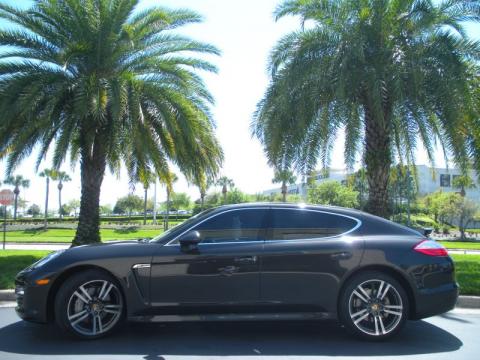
(390, 73)
(146, 178)
(169, 179)
(17, 182)
(225, 183)
(47, 174)
(203, 183)
(61, 177)
(286, 177)
(107, 84)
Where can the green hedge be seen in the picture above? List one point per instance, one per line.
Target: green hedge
(133, 218)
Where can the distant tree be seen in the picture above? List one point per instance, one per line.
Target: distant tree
(34, 210)
(463, 182)
(286, 177)
(66, 210)
(146, 178)
(332, 193)
(169, 178)
(225, 183)
(259, 197)
(433, 203)
(203, 183)
(74, 205)
(402, 188)
(235, 196)
(456, 209)
(61, 177)
(106, 209)
(2, 213)
(358, 182)
(17, 182)
(47, 174)
(128, 204)
(180, 201)
(22, 204)
(213, 199)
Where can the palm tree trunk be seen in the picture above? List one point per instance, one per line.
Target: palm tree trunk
(15, 206)
(92, 172)
(165, 225)
(145, 208)
(377, 161)
(284, 191)
(45, 223)
(60, 201)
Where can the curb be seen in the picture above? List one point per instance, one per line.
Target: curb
(468, 302)
(7, 295)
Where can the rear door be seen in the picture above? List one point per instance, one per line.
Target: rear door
(306, 254)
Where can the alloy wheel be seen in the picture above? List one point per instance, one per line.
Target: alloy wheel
(375, 307)
(95, 307)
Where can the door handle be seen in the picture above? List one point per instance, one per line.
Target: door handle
(344, 255)
(228, 270)
(245, 259)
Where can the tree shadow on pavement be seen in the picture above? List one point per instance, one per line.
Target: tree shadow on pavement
(153, 341)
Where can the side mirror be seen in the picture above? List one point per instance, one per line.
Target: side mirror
(190, 240)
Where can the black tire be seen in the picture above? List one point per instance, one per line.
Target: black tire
(77, 311)
(373, 317)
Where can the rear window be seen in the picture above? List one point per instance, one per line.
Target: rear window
(302, 224)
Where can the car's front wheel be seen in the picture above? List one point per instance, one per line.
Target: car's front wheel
(373, 306)
(89, 305)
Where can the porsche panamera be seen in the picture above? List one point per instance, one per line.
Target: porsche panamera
(247, 262)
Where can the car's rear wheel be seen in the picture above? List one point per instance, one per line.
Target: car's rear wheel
(373, 306)
(89, 305)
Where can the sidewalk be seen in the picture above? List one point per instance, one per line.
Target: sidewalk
(464, 251)
(34, 246)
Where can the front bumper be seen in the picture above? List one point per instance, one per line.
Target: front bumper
(31, 299)
(435, 301)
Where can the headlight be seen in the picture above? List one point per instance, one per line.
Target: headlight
(46, 259)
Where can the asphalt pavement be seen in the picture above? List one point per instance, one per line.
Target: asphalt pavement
(451, 336)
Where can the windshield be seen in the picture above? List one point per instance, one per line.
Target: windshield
(182, 225)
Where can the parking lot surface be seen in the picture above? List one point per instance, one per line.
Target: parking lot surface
(452, 336)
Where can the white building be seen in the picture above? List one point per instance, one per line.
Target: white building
(429, 180)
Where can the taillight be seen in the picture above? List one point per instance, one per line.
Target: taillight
(431, 248)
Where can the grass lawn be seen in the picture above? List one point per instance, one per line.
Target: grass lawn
(66, 235)
(468, 273)
(461, 245)
(12, 261)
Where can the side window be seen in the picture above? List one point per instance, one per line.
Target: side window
(292, 224)
(445, 180)
(231, 226)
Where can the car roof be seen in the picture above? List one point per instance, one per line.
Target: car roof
(294, 206)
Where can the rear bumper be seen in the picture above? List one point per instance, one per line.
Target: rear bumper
(434, 301)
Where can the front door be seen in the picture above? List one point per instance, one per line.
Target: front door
(223, 270)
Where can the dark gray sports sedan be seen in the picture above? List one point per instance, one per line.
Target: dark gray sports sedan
(248, 262)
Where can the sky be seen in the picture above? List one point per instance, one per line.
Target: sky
(245, 32)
